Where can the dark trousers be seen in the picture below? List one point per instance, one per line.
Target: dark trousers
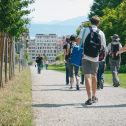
(100, 73)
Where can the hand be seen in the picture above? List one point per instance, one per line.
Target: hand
(65, 61)
(117, 53)
(105, 66)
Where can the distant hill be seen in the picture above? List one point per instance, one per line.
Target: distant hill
(67, 27)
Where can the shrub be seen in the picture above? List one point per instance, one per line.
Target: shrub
(30, 62)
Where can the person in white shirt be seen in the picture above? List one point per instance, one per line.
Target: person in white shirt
(90, 64)
(114, 63)
(46, 64)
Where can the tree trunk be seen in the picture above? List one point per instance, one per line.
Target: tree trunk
(6, 57)
(10, 59)
(1, 57)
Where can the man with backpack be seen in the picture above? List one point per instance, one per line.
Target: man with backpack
(70, 46)
(114, 60)
(93, 42)
(102, 66)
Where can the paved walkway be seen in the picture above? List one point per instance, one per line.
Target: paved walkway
(54, 104)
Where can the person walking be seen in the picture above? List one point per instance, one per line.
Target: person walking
(66, 60)
(94, 40)
(35, 64)
(70, 46)
(114, 60)
(39, 61)
(46, 64)
(101, 68)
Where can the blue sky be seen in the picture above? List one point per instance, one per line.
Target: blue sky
(49, 10)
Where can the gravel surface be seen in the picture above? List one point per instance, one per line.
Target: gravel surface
(54, 104)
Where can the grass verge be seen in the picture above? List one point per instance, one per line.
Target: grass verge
(108, 75)
(15, 101)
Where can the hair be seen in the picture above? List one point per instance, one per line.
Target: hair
(95, 20)
(73, 37)
(67, 39)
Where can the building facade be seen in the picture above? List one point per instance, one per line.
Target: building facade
(45, 45)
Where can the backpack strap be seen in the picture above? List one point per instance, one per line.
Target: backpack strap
(82, 39)
(91, 31)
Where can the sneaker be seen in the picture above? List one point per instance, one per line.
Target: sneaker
(116, 84)
(77, 87)
(81, 82)
(98, 87)
(71, 87)
(101, 83)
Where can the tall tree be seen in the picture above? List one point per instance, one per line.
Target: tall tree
(99, 5)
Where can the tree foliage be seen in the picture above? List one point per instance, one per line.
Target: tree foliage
(99, 5)
(11, 13)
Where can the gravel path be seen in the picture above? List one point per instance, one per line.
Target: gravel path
(54, 104)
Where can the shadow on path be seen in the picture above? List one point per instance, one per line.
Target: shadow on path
(82, 104)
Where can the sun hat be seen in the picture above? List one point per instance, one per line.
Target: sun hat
(115, 37)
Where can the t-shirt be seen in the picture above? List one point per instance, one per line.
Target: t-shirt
(103, 41)
(39, 60)
(47, 62)
(65, 47)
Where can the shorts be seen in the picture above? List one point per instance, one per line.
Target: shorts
(71, 69)
(89, 67)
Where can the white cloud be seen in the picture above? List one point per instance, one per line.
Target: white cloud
(48, 10)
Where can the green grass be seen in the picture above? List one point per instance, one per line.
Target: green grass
(15, 100)
(108, 75)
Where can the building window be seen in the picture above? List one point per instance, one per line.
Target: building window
(33, 47)
(38, 47)
(33, 54)
(44, 51)
(51, 51)
(52, 54)
(33, 57)
(54, 51)
(44, 44)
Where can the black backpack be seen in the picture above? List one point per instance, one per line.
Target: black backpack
(70, 50)
(101, 54)
(92, 43)
(114, 49)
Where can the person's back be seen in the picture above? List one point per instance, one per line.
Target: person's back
(89, 63)
(114, 60)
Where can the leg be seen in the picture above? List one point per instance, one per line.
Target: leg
(70, 72)
(88, 85)
(114, 71)
(102, 67)
(94, 84)
(98, 77)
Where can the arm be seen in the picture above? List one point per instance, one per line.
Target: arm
(78, 41)
(64, 55)
(122, 50)
(67, 50)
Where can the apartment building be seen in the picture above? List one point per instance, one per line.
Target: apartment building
(45, 45)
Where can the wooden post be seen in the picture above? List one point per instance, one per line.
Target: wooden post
(1, 57)
(6, 57)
